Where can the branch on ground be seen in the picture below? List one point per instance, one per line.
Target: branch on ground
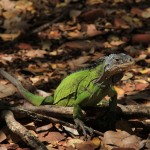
(21, 131)
(131, 111)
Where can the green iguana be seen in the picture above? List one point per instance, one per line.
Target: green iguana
(83, 88)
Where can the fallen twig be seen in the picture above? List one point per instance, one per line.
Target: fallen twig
(21, 131)
(53, 120)
(131, 111)
(128, 111)
(134, 111)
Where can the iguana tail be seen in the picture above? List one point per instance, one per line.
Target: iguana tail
(34, 99)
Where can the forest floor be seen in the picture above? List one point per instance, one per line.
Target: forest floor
(42, 42)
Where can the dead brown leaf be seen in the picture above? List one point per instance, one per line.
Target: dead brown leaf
(35, 53)
(75, 34)
(88, 145)
(120, 92)
(72, 142)
(141, 38)
(120, 23)
(9, 37)
(55, 34)
(96, 141)
(2, 147)
(78, 62)
(92, 31)
(7, 90)
(13, 147)
(4, 133)
(141, 86)
(146, 13)
(92, 15)
(7, 4)
(127, 76)
(136, 11)
(145, 71)
(120, 139)
(128, 87)
(50, 137)
(44, 128)
(24, 46)
(30, 126)
(93, 2)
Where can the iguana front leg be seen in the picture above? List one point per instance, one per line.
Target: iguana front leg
(79, 123)
(78, 115)
(113, 100)
(110, 117)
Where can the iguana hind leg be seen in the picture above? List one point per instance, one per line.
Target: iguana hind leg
(49, 100)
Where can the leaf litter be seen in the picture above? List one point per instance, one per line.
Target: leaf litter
(94, 28)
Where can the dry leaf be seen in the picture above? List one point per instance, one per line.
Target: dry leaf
(31, 126)
(3, 147)
(7, 58)
(9, 37)
(96, 141)
(141, 86)
(24, 46)
(4, 133)
(75, 34)
(50, 137)
(146, 13)
(120, 23)
(141, 38)
(127, 76)
(35, 53)
(78, 62)
(120, 92)
(44, 128)
(128, 87)
(71, 130)
(88, 145)
(136, 11)
(145, 71)
(120, 139)
(7, 90)
(93, 2)
(72, 142)
(7, 4)
(92, 31)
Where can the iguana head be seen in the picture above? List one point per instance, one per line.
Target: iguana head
(114, 65)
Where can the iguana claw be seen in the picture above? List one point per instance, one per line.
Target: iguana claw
(81, 125)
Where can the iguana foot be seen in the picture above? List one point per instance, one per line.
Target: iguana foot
(81, 125)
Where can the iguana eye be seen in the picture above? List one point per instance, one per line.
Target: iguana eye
(117, 59)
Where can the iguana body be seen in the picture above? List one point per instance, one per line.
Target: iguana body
(86, 87)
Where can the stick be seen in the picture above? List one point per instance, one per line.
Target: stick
(21, 131)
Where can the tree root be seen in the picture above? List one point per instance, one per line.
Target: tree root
(21, 131)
